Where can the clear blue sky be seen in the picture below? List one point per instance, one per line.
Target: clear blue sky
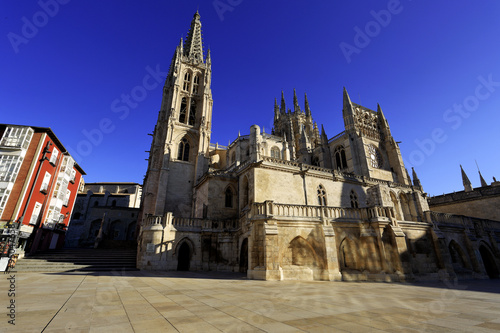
(416, 58)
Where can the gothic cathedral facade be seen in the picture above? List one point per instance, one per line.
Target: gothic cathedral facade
(293, 204)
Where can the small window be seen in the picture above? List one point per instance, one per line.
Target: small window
(183, 153)
(113, 203)
(53, 155)
(45, 182)
(275, 152)
(354, 200)
(66, 198)
(229, 198)
(77, 215)
(96, 203)
(321, 196)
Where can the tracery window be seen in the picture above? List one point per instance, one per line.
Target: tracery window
(275, 152)
(182, 115)
(340, 159)
(196, 83)
(321, 196)
(187, 81)
(376, 160)
(192, 112)
(183, 153)
(229, 197)
(354, 199)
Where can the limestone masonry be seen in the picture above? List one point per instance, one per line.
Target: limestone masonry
(293, 204)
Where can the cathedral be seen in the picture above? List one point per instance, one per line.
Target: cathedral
(293, 204)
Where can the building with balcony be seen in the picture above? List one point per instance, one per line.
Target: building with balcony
(39, 181)
(293, 203)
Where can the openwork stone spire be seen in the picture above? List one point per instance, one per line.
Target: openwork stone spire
(193, 47)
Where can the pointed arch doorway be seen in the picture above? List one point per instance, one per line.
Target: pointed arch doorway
(489, 262)
(244, 256)
(183, 257)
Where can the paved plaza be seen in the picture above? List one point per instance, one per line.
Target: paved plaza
(214, 302)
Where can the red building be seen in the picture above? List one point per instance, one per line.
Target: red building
(39, 181)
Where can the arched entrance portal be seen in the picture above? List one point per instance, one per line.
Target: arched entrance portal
(244, 256)
(489, 262)
(183, 257)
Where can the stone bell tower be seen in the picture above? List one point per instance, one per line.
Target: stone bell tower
(179, 151)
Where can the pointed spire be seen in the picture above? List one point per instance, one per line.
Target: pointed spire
(408, 176)
(209, 58)
(347, 99)
(193, 47)
(283, 106)
(347, 112)
(416, 181)
(308, 110)
(481, 179)
(276, 109)
(296, 107)
(483, 182)
(324, 138)
(466, 181)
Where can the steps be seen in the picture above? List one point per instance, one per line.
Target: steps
(87, 260)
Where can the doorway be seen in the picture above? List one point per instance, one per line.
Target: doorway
(183, 257)
(489, 262)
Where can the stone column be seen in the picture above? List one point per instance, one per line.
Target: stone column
(331, 272)
(271, 251)
(404, 255)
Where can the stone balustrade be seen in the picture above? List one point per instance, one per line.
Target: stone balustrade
(269, 208)
(182, 223)
(461, 220)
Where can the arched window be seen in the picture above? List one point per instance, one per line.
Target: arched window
(183, 154)
(405, 207)
(187, 80)
(233, 157)
(354, 199)
(192, 112)
(182, 115)
(229, 198)
(315, 161)
(196, 83)
(340, 159)
(321, 196)
(275, 152)
(375, 157)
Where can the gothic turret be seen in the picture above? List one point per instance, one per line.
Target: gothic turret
(483, 182)
(416, 181)
(283, 105)
(466, 181)
(306, 106)
(296, 107)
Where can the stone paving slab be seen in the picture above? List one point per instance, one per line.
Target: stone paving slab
(223, 302)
